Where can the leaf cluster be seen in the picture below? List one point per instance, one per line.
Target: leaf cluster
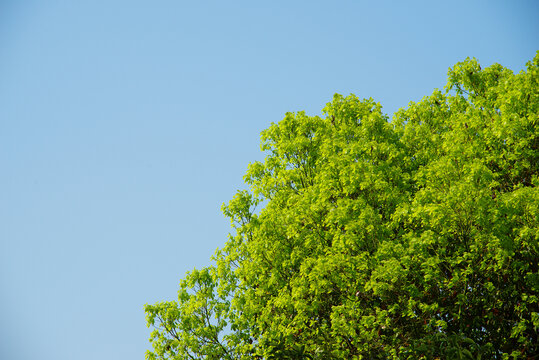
(415, 238)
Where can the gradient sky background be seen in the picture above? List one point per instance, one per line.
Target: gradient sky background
(124, 125)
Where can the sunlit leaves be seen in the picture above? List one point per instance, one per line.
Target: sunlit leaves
(415, 238)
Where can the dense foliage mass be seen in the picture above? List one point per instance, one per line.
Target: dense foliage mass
(404, 239)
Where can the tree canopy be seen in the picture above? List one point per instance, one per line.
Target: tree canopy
(414, 237)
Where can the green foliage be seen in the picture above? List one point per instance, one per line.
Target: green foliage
(415, 238)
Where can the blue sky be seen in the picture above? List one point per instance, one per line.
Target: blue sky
(124, 125)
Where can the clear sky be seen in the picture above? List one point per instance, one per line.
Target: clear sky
(124, 125)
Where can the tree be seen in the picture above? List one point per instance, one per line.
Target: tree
(406, 239)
